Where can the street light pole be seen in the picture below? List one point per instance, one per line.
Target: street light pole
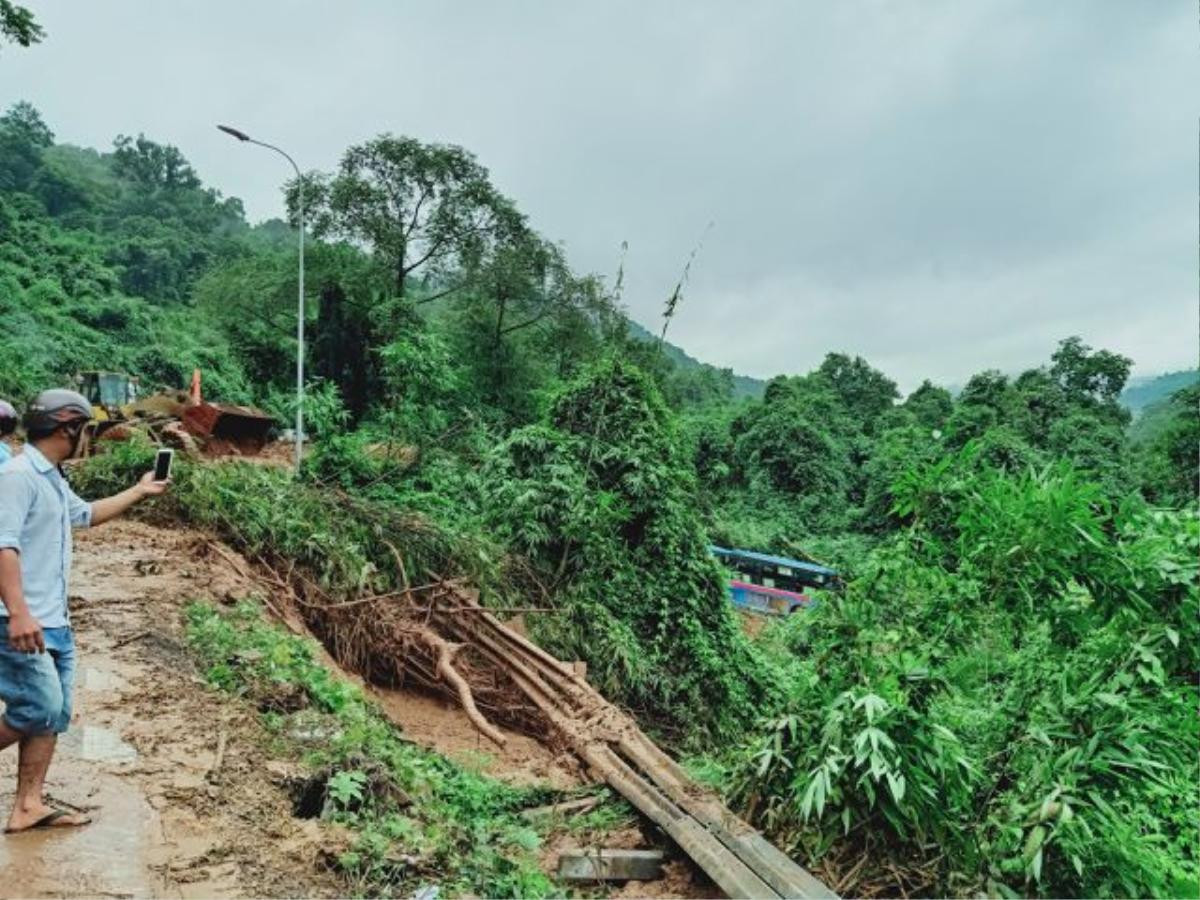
(245, 138)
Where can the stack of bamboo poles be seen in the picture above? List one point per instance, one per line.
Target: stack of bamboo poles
(734, 855)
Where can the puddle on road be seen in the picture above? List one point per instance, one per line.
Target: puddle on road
(108, 858)
(95, 744)
(99, 680)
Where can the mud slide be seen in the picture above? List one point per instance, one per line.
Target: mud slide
(446, 642)
(184, 801)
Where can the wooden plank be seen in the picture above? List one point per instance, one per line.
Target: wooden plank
(729, 873)
(775, 867)
(567, 808)
(611, 865)
(730, 851)
(758, 854)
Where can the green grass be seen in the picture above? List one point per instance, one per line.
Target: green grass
(417, 818)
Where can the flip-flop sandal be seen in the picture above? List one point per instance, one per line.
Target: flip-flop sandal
(50, 820)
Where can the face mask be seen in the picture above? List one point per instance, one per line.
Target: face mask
(78, 442)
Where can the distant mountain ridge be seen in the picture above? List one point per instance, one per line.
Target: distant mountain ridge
(743, 385)
(1140, 392)
(1144, 390)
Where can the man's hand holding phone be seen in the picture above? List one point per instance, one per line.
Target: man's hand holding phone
(156, 482)
(151, 487)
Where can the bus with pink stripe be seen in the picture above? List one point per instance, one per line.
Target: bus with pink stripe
(772, 585)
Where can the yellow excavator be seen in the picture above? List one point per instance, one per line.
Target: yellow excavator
(115, 401)
(112, 394)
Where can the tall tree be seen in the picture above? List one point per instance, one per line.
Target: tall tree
(23, 137)
(171, 226)
(866, 392)
(985, 401)
(1170, 471)
(152, 165)
(421, 209)
(796, 440)
(27, 123)
(930, 405)
(521, 278)
(1089, 377)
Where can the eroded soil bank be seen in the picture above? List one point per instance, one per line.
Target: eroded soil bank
(186, 796)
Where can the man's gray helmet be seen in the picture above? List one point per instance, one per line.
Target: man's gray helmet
(52, 408)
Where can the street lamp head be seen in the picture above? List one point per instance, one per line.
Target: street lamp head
(240, 135)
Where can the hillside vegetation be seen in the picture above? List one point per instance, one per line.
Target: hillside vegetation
(1002, 699)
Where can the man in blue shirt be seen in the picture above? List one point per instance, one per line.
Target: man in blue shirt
(38, 509)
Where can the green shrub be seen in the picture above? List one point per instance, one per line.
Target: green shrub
(597, 498)
(1010, 681)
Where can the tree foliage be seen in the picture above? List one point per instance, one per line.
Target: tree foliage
(425, 210)
(67, 298)
(866, 393)
(598, 498)
(1008, 680)
(930, 405)
(18, 25)
(1170, 462)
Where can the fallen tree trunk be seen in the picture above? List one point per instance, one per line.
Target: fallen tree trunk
(730, 851)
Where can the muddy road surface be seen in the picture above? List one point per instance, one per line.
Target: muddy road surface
(183, 800)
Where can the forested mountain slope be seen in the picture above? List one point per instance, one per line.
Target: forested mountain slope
(743, 385)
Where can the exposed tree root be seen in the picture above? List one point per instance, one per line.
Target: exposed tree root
(390, 640)
(445, 668)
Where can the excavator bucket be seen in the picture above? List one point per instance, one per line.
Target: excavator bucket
(242, 427)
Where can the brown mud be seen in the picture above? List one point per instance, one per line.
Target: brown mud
(444, 727)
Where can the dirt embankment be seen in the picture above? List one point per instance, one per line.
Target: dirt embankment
(187, 799)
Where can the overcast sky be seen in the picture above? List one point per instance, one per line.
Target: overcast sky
(941, 187)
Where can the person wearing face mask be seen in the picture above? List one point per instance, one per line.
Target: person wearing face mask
(8, 424)
(38, 509)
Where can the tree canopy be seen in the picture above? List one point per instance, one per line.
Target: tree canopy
(426, 210)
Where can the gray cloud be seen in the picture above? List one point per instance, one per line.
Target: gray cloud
(940, 186)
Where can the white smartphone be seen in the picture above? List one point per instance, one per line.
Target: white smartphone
(162, 464)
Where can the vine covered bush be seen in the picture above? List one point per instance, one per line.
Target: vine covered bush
(598, 499)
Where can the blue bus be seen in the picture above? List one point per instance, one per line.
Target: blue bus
(772, 585)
